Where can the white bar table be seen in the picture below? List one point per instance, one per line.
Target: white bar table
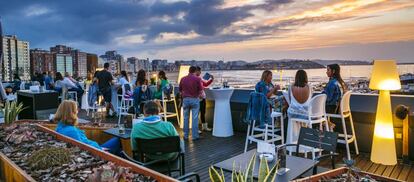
(223, 126)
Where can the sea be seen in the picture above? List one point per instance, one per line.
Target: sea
(248, 78)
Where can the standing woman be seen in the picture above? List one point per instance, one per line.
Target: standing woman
(335, 88)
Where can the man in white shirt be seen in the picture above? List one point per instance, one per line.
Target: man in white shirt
(70, 83)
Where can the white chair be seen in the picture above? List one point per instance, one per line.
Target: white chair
(126, 103)
(257, 134)
(286, 96)
(164, 101)
(317, 115)
(345, 112)
(73, 95)
(96, 108)
(22, 85)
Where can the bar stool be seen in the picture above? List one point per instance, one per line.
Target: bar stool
(126, 102)
(345, 112)
(165, 100)
(257, 134)
(96, 107)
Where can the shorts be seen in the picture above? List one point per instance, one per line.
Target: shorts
(107, 94)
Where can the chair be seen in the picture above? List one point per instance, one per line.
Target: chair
(262, 134)
(324, 140)
(73, 95)
(286, 96)
(345, 112)
(159, 146)
(316, 115)
(126, 102)
(165, 99)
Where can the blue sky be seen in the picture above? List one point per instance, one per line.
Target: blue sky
(219, 29)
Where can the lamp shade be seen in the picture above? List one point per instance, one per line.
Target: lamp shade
(183, 72)
(384, 76)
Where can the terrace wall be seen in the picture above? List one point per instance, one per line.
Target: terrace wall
(363, 107)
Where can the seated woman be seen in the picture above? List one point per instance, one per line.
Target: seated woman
(141, 92)
(265, 85)
(152, 127)
(161, 84)
(299, 94)
(67, 119)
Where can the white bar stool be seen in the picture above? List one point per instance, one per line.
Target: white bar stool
(345, 112)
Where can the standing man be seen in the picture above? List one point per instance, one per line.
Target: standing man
(191, 88)
(206, 83)
(104, 79)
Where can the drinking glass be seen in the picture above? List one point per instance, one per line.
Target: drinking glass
(121, 128)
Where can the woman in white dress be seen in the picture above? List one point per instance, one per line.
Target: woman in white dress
(299, 94)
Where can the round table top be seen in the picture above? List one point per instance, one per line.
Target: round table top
(222, 93)
(221, 88)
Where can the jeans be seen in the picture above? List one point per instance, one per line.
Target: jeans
(192, 104)
(114, 145)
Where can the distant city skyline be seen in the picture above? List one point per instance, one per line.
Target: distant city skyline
(249, 30)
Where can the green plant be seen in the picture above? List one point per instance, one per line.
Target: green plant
(111, 172)
(11, 110)
(47, 157)
(265, 175)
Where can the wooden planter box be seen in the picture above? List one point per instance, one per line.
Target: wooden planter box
(10, 172)
(336, 172)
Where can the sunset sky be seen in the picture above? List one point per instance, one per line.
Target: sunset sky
(219, 29)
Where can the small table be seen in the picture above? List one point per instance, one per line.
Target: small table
(115, 132)
(297, 166)
(222, 126)
(37, 103)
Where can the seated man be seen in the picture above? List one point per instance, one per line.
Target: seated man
(152, 127)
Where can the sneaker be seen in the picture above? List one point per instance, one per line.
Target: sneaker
(205, 127)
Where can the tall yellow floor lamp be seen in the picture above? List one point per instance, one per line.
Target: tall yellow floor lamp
(384, 78)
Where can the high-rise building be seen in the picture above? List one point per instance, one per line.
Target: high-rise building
(136, 64)
(115, 60)
(132, 62)
(159, 64)
(41, 61)
(79, 63)
(62, 49)
(16, 58)
(63, 63)
(1, 49)
(92, 63)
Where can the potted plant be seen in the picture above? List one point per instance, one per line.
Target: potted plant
(265, 175)
(11, 111)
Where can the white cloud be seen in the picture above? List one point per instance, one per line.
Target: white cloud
(36, 10)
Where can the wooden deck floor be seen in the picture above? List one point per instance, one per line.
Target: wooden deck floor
(201, 154)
